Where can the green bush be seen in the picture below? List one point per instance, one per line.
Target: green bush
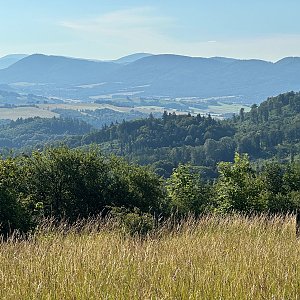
(187, 193)
(13, 207)
(133, 222)
(239, 188)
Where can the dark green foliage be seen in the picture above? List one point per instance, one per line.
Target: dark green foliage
(134, 186)
(67, 184)
(276, 189)
(36, 132)
(170, 131)
(74, 183)
(283, 186)
(133, 222)
(14, 212)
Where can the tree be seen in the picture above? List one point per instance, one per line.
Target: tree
(133, 186)
(242, 114)
(76, 183)
(186, 191)
(238, 187)
(254, 113)
(69, 183)
(13, 211)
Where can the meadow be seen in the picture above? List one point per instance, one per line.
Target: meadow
(232, 257)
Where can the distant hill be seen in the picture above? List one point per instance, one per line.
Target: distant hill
(11, 98)
(161, 75)
(9, 60)
(38, 68)
(131, 58)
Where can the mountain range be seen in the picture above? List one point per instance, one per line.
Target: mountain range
(159, 75)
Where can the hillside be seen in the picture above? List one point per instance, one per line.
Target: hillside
(9, 60)
(268, 131)
(156, 75)
(58, 70)
(36, 132)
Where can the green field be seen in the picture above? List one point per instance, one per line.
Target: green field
(214, 258)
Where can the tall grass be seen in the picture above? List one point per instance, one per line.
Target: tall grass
(215, 258)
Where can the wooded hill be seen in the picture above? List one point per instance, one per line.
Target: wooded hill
(270, 130)
(24, 135)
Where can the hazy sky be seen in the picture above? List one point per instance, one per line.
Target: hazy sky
(266, 29)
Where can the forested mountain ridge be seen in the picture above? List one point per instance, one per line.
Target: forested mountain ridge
(270, 130)
(38, 68)
(169, 131)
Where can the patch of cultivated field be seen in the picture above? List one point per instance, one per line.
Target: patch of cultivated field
(25, 112)
(157, 109)
(227, 108)
(215, 258)
(223, 108)
(82, 106)
(46, 110)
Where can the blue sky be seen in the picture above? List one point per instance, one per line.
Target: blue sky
(265, 29)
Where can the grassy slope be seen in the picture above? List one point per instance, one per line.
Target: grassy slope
(232, 258)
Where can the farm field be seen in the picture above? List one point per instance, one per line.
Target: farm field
(214, 258)
(54, 110)
(82, 106)
(25, 112)
(227, 108)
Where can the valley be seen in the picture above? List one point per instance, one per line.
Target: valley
(149, 150)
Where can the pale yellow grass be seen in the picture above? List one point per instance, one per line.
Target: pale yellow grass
(215, 258)
(25, 112)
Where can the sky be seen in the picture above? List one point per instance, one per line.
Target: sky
(109, 29)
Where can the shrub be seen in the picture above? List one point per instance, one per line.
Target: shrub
(132, 222)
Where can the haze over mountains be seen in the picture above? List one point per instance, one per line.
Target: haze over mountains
(8, 60)
(156, 75)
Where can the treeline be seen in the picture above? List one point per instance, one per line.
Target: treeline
(66, 184)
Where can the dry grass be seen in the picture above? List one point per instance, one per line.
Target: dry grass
(215, 258)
